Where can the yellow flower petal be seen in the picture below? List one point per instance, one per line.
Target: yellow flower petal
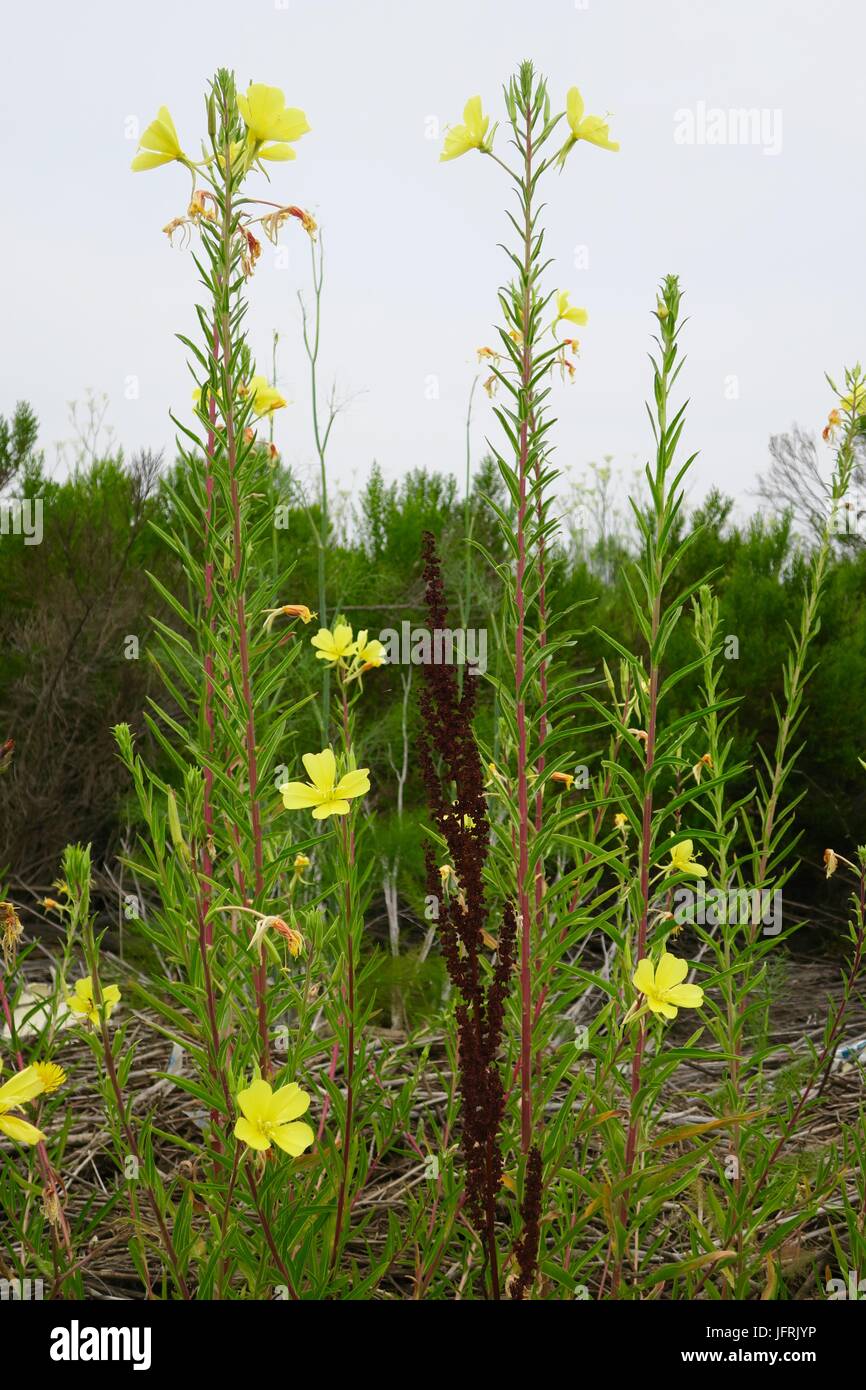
(24, 1085)
(288, 1103)
(297, 796)
(293, 1139)
(20, 1130)
(669, 972)
(331, 808)
(355, 783)
(644, 977)
(686, 996)
(321, 769)
(254, 1101)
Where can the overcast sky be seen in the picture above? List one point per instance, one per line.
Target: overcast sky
(767, 236)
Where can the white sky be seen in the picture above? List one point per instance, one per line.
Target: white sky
(770, 248)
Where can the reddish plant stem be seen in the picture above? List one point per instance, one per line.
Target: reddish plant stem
(520, 673)
(269, 1236)
(207, 864)
(259, 970)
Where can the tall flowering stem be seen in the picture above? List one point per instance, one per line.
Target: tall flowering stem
(454, 780)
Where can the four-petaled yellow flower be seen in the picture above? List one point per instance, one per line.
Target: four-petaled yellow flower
(271, 1117)
(568, 313)
(323, 794)
(593, 129)
(81, 1002)
(334, 646)
(268, 119)
(371, 653)
(663, 986)
(159, 144)
(459, 139)
(26, 1085)
(682, 860)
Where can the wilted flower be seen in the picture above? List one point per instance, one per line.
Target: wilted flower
(198, 206)
(566, 778)
(301, 863)
(272, 1117)
(324, 795)
(272, 223)
(288, 610)
(459, 139)
(291, 935)
(12, 932)
(620, 820)
(705, 761)
(663, 986)
(250, 251)
(831, 862)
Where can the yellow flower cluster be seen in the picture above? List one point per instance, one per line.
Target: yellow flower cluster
(340, 648)
(271, 126)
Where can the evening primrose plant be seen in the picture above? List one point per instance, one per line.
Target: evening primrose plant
(260, 966)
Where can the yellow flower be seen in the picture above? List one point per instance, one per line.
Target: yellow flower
(159, 144)
(459, 139)
(23, 1086)
(334, 646)
(568, 313)
(267, 118)
(81, 1002)
(371, 653)
(682, 860)
(50, 1074)
(593, 129)
(266, 398)
(663, 987)
(324, 795)
(620, 820)
(272, 1117)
